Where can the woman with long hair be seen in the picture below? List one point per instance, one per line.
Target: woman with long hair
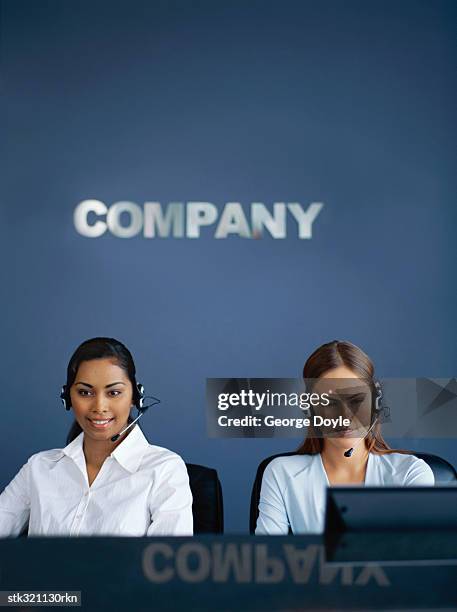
(293, 488)
(108, 480)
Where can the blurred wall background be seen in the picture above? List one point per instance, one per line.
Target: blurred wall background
(350, 104)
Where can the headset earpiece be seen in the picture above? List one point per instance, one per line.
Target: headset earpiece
(139, 402)
(377, 397)
(65, 398)
(140, 397)
(380, 410)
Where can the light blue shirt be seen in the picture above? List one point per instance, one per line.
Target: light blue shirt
(293, 492)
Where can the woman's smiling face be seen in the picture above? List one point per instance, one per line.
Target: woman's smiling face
(101, 397)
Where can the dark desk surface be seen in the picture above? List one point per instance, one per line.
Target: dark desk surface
(238, 572)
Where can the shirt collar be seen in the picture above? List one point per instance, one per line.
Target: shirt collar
(131, 450)
(75, 447)
(128, 453)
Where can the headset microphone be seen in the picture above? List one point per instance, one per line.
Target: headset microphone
(141, 409)
(378, 410)
(349, 451)
(121, 433)
(139, 403)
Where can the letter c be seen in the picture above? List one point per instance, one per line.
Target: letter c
(80, 218)
(150, 570)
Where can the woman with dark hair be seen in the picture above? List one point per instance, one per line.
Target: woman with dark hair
(108, 480)
(294, 488)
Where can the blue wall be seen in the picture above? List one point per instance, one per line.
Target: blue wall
(352, 104)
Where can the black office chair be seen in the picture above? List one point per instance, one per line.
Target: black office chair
(207, 507)
(443, 471)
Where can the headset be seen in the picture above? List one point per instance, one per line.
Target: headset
(379, 412)
(378, 397)
(138, 403)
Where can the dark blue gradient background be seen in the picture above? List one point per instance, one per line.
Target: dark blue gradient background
(350, 103)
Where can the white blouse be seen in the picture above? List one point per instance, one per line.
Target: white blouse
(293, 492)
(140, 490)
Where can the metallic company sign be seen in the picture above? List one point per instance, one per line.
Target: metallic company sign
(93, 218)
